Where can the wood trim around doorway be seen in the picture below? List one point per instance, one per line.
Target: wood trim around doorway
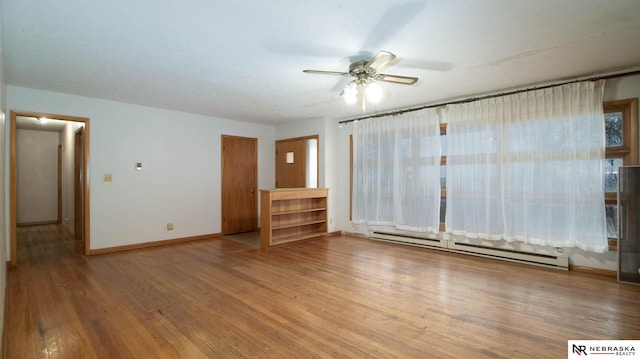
(13, 261)
(297, 172)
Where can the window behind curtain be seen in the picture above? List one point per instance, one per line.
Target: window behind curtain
(621, 139)
(621, 148)
(396, 171)
(528, 167)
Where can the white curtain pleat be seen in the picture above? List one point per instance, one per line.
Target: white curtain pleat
(396, 164)
(528, 167)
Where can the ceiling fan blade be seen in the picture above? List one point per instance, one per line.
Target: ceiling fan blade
(382, 58)
(405, 80)
(320, 72)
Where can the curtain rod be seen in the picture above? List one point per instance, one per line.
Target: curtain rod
(477, 98)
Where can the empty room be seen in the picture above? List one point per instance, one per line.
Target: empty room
(363, 179)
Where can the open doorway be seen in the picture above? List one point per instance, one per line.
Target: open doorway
(78, 189)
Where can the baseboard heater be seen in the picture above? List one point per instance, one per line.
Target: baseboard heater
(545, 260)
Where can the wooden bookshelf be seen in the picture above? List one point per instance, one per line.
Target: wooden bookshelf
(291, 215)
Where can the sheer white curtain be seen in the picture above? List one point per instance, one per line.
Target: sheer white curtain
(396, 171)
(529, 167)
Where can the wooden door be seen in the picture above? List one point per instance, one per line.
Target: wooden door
(78, 185)
(291, 163)
(239, 184)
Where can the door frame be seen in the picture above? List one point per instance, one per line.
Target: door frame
(78, 176)
(224, 228)
(13, 179)
(306, 154)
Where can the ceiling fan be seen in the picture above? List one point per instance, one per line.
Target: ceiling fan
(366, 74)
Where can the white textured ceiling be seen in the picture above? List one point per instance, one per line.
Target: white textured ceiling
(243, 60)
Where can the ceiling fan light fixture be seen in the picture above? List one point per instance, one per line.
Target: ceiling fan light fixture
(365, 87)
(350, 93)
(373, 92)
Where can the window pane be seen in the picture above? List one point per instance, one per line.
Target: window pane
(612, 221)
(611, 174)
(613, 128)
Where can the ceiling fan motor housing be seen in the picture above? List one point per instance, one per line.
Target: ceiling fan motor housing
(360, 67)
(366, 72)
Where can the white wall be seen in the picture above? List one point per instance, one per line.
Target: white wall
(615, 89)
(37, 173)
(67, 139)
(343, 169)
(180, 154)
(331, 169)
(328, 143)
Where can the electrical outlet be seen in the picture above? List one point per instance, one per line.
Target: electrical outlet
(169, 226)
(107, 177)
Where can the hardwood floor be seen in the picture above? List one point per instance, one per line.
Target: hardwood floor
(337, 297)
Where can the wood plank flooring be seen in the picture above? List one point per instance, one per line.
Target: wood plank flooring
(338, 297)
